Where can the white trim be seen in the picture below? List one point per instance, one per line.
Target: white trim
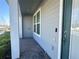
(37, 23)
(36, 34)
(37, 12)
(60, 28)
(40, 22)
(20, 21)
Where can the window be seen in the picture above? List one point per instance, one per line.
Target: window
(37, 23)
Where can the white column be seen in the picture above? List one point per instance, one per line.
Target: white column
(14, 18)
(60, 29)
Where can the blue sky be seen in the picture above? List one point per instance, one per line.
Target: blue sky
(4, 12)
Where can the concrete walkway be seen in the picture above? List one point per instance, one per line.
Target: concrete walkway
(31, 50)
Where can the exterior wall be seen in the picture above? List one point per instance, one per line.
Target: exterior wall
(49, 39)
(14, 19)
(74, 42)
(27, 27)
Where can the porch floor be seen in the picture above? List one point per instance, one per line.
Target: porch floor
(30, 49)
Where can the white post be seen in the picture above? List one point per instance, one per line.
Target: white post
(14, 18)
(60, 28)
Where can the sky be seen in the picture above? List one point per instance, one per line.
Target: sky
(4, 12)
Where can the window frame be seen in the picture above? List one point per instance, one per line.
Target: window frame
(35, 15)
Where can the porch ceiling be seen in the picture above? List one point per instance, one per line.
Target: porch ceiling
(28, 7)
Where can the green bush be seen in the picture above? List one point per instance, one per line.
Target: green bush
(2, 51)
(4, 44)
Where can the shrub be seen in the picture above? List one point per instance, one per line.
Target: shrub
(4, 44)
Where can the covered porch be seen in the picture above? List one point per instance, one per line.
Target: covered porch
(30, 49)
(33, 36)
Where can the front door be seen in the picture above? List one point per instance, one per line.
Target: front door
(27, 27)
(67, 10)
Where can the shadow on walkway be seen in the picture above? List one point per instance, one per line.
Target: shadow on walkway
(31, 50)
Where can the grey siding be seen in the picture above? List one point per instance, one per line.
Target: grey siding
(49, 21)
(27, 27)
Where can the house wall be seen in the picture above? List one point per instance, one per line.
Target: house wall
(48, 39)
(27, 27)
(74, 41)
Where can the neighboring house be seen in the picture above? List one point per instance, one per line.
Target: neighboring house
(4, 28)
(47, 21)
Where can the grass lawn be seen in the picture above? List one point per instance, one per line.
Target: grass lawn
(5, 50)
